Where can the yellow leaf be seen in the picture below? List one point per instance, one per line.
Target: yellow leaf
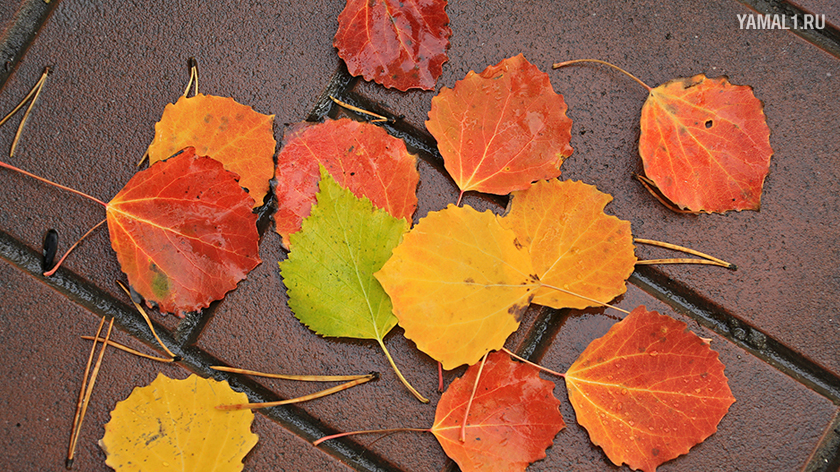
(219, 127)
(459, 283)
(174, 425)
(573, 244)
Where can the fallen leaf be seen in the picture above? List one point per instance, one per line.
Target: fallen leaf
(174, 425)
(219, 127)
(184, 232)
(705, 144)
(513, 417)
(399, 44)
(329, 272)
(360, 156)
(648, 390)
(459, 284)
(573, 244)
(500, 130)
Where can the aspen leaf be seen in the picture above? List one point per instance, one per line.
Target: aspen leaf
(705, 144)
(459, 282)
(648, 390)
(329, 272)
(399, 44)
(573, 244)
(360, 156)
(184, 232)
(500, 130)
(174, 425)
(513, 417)
(219, 127)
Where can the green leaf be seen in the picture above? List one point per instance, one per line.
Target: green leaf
(329, 272)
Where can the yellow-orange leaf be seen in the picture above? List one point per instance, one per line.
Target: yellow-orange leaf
(573, 244)
(174, 425)
(219, 127)
(458, 283)
(648, 390)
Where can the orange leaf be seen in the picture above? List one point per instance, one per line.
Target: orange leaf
(500, 130)
(399, 44)
(218, 127)
(705, 144)
(361, 157)
(573, 244)
(459, 284)
(648, 390)
(513, 418)
(184, 232)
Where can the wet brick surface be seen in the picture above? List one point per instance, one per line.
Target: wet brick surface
(775, 322)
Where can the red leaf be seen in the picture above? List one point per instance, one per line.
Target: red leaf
(648, 390)
(399, 44)
(360, 156)
(513, 418)
(500, 130)
(705, 144)
(184, 232)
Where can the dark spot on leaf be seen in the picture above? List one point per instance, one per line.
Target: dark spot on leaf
(704, 375)
(469, 280)
(517, 243)
(654, 451)
(709, 124)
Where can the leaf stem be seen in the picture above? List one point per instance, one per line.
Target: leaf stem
(463, 435)
(584, 297)
(50, 272)
(312, 396)
(400, 375)
(11, 167)
(34, 93)
(304, 378)
(371, 431)
(577, 61)
(522, 359)
(709, 259)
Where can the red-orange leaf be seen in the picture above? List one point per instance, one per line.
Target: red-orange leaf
(500, 130)
(399, 44)
(360, 156)
(705, 144)
(648, 390)
(184, 232)
(219, 127)
(513, 418)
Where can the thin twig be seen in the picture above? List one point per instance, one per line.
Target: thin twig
(304, 378)
(69, 462)
(38, 87)
(378, 118)
(148, 321)
(709, 259)
(72, 446)
(123, 347)
(312, 396)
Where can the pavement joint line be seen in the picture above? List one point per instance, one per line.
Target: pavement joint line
(99, 303)
(826, 456)
(685, 301)
(827, 39)
(22, 32)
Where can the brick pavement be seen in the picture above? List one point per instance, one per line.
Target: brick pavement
(776, 321)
